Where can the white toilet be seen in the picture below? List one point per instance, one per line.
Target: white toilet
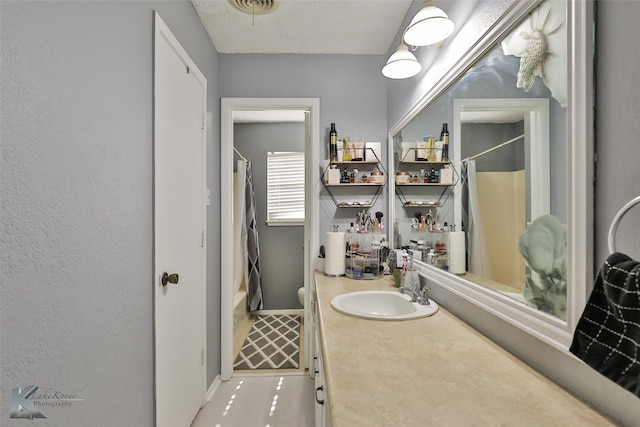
(301, 296)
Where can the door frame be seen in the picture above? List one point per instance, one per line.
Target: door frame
(535, 113)
(311, 226)
(162, 31)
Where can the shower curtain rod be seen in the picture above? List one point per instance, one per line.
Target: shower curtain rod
(240, 155)
(493, 148)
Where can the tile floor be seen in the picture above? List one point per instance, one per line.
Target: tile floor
(256, 400)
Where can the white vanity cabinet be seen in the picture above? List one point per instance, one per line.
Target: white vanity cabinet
(322, 416)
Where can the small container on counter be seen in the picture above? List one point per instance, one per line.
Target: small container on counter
(364, 256)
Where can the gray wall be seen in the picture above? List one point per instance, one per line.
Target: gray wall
(478, 137)
(617, 109)
(281, 247)
(76, 186)
(617, 106)
(77, 209)
(617, 176)
(352, 94)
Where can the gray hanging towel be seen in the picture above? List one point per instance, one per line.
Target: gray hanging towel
(464, 215)
(607, 336)
(254, 287)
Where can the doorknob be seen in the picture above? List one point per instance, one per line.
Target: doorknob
(170, 278)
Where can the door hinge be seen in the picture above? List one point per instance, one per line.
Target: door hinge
(202, 357)
(202, 242)
(202, 124)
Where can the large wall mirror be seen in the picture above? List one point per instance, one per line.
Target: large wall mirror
(519, 117)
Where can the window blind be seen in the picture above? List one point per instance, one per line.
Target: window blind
(285, 188)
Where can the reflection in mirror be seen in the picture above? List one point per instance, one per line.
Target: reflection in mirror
(508, 121)
(502, 144)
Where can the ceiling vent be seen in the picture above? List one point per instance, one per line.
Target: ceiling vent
(256, 7)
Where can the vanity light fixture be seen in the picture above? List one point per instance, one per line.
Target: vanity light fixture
(402, 64)
(429, 26)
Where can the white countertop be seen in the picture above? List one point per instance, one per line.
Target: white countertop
(433, 371)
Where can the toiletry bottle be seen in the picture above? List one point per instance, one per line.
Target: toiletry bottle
(347, 151)
(444, 137)
(333, 143)
(422, 150)
(344, 179)
(430, 257)
(431, 156)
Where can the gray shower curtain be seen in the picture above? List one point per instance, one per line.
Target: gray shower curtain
(254, 286)
(477, 255)
(465, 214)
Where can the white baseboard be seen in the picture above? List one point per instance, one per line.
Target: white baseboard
(212, 389)
(287, 311)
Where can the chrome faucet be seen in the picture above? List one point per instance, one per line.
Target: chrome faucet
(416, 296)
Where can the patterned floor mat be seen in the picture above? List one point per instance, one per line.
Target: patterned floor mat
(273, 343)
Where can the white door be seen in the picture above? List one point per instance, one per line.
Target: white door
(179, 151)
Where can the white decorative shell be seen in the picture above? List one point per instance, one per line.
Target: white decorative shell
(541, 44)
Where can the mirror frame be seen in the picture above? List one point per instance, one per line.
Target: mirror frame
(545, 327)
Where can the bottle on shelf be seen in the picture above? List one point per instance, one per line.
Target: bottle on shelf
(431, 156)
(333, 143)
(347, 149)
(422, 149)
(344, 179)
(444, 137)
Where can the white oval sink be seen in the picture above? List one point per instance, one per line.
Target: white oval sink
(381, 305)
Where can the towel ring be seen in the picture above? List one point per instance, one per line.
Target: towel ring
(616, 220)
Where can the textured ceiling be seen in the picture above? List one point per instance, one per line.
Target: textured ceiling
(305, 26)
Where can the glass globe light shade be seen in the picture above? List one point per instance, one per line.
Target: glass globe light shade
(430, 26)
(401, 64)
